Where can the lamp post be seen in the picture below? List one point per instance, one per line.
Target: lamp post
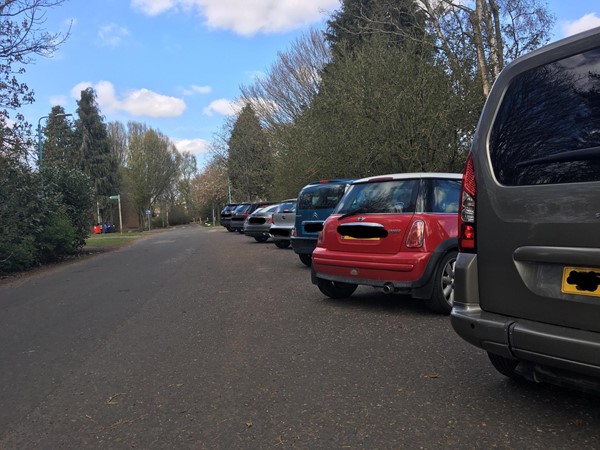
(39, 131)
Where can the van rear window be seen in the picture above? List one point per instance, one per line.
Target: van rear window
(321, 196)
(547, 129)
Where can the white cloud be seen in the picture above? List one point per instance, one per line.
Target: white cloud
(246, 17)
(586, 22)
(192, 90)
(223, 107)
(112, 35)
(139, 102)
(194, 146)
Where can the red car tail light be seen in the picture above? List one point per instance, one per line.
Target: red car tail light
(293, 232)
(416, 235)
(466, 211)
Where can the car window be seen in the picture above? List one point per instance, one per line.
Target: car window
(241, 209)
(287, 207)
(394, 196)
(547, 128)
(321, 196)
(444, 196)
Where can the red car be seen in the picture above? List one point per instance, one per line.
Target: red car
(397, 232)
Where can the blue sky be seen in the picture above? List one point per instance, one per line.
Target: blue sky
(177, 65)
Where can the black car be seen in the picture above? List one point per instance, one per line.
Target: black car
(226, 212)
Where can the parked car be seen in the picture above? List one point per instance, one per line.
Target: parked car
(396, 232)
(258, 223)
(528, 268)
(238, 217)
(283, 223)
(242, 212)
(225, 217)
(316, 202)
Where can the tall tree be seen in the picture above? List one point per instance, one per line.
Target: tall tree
(385, 110)
(93, 145)
(59, 142)
(286, 91)
(151, 166)
(250, 159)
(356, 20)
(117, 137)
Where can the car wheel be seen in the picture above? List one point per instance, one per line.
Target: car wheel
(240, 231)
(505, 366)
(231, 230)
(334, 289)
(261, 238)
(442, 298)
(306, 259)
(282, 244)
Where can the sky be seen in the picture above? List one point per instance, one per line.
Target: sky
(177, 65)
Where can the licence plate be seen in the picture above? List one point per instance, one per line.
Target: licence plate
(581, 281)
(350, 238)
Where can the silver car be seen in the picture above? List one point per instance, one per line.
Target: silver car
(258, 223)
(283, 223)
(527, 276)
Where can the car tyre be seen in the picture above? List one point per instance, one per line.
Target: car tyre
(334, 289)
(442, 298)
(261, 238)
(282, 244)
(306, 259)
(505, 366)
(231, 230)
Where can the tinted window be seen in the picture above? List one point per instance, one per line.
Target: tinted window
(321, 196)
(241, 209)
(395, 196)
(548, 126)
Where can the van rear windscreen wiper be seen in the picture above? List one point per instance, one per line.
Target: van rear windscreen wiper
(585, 154)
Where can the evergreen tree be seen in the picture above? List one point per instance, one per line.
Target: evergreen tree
(93, 147)
(250, 159)
(59, 140)
(357, 20)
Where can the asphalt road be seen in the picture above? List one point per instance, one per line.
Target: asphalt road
(196, 338)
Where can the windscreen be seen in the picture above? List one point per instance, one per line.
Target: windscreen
(393, 196)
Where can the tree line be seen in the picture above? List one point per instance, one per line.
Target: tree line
(389, 86)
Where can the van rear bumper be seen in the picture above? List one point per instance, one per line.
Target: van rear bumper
(538, 343)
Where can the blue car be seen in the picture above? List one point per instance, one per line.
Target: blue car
(316, 201)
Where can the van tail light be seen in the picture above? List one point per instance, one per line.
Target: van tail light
(293, 232)
(416, 235)
(466, 211)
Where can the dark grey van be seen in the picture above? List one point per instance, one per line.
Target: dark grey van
(527, 275)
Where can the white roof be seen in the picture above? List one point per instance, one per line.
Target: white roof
(406, 176)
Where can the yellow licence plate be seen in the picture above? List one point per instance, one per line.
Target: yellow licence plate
(350, 238)
(581, 281)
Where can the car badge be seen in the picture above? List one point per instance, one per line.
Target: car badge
(360, 219)
(315, 215)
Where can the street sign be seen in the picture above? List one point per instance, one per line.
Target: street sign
(114, 197)
(148, 212)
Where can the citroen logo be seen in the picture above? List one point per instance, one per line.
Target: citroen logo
(315, 215)
(360, 219)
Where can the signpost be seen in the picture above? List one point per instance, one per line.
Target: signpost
(118, 197)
